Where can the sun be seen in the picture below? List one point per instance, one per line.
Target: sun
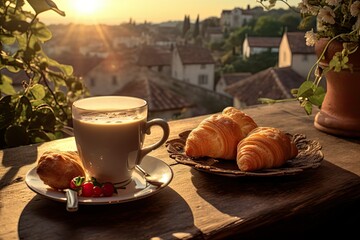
(85, 7)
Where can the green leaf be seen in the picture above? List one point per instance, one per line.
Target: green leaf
(43, 119)
(6, 86)
(318, 97)
(39, 136)
(41, 31)
(37, 103)
(23, 112)
(22, 41)
(7, 39)
(307, 107)
(16, 136)
(66, 69)
(306, 89)
(13, 25)
(38, 91)
(7, 112)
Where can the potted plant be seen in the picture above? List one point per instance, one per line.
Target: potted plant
(41, 110)
(336, 42)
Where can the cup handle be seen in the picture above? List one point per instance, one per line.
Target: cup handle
(166, 131)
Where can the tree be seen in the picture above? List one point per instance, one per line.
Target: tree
(236, 38)
(196, 31)
(291, 21)
(268, 26)
(41, 110)
(186, 25)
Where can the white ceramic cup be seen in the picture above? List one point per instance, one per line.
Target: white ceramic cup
(109, 133)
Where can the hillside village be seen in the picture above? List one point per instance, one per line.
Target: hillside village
(177, 71)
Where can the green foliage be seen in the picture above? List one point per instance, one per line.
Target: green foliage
(268, 25)
(41, 108)
(255, 63)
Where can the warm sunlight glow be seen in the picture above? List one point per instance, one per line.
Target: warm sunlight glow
(86, 6)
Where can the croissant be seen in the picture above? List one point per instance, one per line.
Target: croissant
(218, 135)
(57, 168)
(264, 147)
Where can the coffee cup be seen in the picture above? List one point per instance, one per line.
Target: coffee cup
(109, 134)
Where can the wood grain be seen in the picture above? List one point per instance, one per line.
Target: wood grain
(196, 204)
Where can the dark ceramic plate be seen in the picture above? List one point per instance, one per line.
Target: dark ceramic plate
(309, 157)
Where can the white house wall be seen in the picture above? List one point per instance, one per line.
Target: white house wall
(177, 70)
(192, 73)
(302, 63)
(101, 83)
(284, 53)
(246, 48)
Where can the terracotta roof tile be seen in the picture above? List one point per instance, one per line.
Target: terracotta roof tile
(158, 97)
(297, 43)
(275, 83)
(191, 54)
(264, 41)
(151, 56)
(231, 78)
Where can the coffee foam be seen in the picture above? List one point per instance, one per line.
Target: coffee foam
(111, 117)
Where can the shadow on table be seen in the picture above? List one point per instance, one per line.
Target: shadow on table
(155, 216)
(11, 161)
(275, 207)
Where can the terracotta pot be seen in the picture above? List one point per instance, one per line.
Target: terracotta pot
(340, 111)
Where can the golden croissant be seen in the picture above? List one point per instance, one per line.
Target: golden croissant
(218, 135)
(265, 147)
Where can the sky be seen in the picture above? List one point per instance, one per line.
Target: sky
(154, 11)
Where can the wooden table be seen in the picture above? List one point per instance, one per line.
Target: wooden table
(197, 205)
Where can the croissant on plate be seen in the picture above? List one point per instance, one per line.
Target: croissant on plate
(265, 147)
(218, 135)
(57, 168)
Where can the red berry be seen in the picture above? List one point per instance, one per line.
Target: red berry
(87, 189)
(108, 189)
(76, 182)
(73, 185)
(97, 191)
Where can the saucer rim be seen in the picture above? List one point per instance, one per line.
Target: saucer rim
(44, 190)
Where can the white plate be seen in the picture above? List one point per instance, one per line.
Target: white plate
(136, 189)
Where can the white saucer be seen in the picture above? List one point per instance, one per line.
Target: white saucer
(138, 188)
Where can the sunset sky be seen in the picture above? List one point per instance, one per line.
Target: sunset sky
(154, 11)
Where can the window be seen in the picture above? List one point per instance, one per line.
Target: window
(114, 80)
(202, 79)
(305, 58)
(203, 66)
(92, 82)
(284, 56)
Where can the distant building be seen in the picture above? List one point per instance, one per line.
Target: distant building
(274, 83)
(110, 75)
(254, 45)
(193, 65)
(155, 58)
(214, 34)
(228, 79)
(238, 17)
(294, 53)
(162, 101)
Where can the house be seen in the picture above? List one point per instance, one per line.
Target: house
(228, 79)
(110, 75)
(127, 37)
(155, 58)
(162, 101)
(193, 65)
(294, 53)
(214, 34)
(274, 83)
(254, 45)
(238, 17)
